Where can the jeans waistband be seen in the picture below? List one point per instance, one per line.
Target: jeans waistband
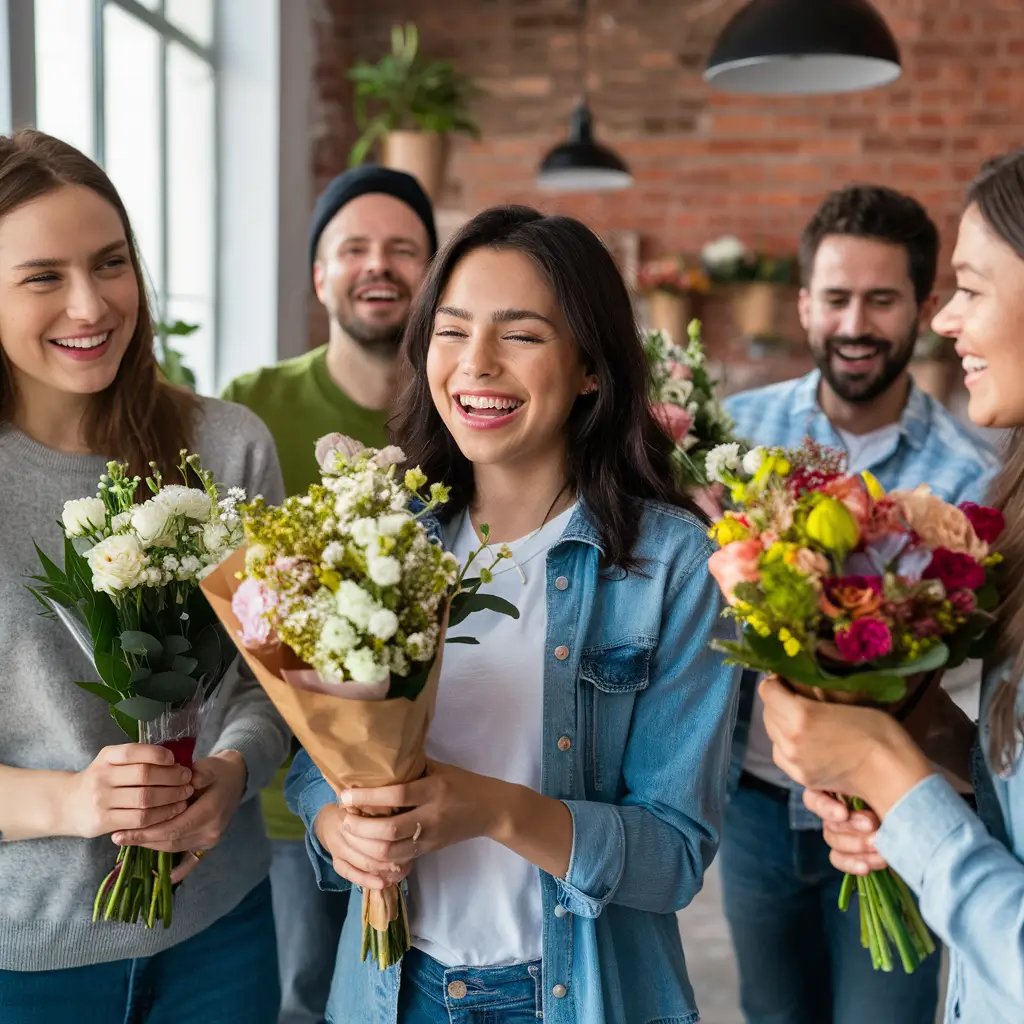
(510, 987)
(768, 789)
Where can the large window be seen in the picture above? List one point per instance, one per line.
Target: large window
(133, 84)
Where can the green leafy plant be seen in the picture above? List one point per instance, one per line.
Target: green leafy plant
(405, 90)
(172, 362)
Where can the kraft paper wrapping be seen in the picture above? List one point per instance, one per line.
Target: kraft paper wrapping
(356, 744)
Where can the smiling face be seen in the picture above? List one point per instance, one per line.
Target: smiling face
(372, 257)
(861, 315)
(69, 297)
(986, 319)
(503, 369)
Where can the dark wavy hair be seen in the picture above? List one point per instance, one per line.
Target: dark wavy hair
(617, 452)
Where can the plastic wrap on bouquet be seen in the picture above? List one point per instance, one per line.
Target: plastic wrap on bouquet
(356, 743)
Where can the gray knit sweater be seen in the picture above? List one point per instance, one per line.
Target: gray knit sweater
(47, 885)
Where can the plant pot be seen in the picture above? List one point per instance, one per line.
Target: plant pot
(755, 309)
(424, 155)
(671, 313)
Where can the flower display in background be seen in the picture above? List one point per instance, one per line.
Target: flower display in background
(728, 260)
(672, 275)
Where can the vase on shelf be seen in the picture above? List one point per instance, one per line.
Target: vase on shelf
(669, 312)
(755, 309)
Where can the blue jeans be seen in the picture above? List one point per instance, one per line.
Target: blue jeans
(800, 958)
(434, 994)
(226, 974)
(308, 924)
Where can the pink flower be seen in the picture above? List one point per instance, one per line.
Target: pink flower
(963, 601)
(988, 523)
(736, 563)
(865, 640)
(853, 493)
(674, 420)
(252, 602)
(680, 371)
(336, 444)
(812, 564)
(956, 571)
(939, 524)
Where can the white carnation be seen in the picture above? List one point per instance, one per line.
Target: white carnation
(363, 668)
(84, 516)
(117, 564)
(364, 532)
(190, 565)
(419, 646)
(355, 604)
(338, 635)
(752, 460)
(122, 521)
(383, 624)
(399, 662)
(333, 554)
(389, 456)
(391, 526)
(189, 502)
(151, 521)
(384, 570)
(677, 392)
(725, 458)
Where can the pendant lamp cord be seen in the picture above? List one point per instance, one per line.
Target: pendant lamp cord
(581, 49)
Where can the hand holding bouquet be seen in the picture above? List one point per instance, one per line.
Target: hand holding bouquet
(128, 592)
(340, 604)
(849, 594)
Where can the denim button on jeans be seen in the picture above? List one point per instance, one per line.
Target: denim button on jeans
(434, 994)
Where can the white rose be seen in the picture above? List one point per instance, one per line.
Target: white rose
(363, 668)
(384, 570)
(355, 604)
(383, 624)
(392, 455)
(151, 521)
(338, 635)
(189, 502)
(391, 526)
(123, 520)
(364, 532)
(752, 460)
(84, 516)
(215, 537)
(117, 563)
(190, 565)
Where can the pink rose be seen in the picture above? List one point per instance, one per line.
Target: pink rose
(674, 420)
(336, 444)
(252, 603)
(680, 371)
(939, 524)
(736, 563)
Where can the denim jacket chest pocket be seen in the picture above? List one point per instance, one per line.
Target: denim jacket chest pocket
(611, 676)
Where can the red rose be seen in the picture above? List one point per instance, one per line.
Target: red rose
(864, 640)
(988, 523)
(954, 570)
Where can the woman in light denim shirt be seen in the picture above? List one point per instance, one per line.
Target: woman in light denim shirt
(970, 879)
(629, 737)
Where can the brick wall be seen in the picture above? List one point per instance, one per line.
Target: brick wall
(704, 163)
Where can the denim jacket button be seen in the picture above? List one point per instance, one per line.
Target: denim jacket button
(559, 991)
(457, 990)
(564, 743)
(561, 653)
(561, 583)
(560, 911)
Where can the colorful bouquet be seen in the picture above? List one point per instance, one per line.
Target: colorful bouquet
(341, 596)
(128, 593)
(684, 403)
(850, 594)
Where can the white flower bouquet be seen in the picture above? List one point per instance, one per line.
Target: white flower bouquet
(128, 592)
(340, 604)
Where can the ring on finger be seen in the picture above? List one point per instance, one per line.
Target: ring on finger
(419, 831)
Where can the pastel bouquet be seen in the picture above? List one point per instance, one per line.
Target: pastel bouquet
(850, 594)
(340, 603)
(128, 592)
(685, 403)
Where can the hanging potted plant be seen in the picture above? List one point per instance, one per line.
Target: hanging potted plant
(408, 106)
(670, 286)
(757, 278)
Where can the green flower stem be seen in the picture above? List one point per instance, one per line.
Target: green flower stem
(893, 922)
(846, 891)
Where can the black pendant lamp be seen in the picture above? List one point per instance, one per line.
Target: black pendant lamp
(803, 47)
(581, 164)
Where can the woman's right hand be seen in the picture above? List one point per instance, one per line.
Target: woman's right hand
(850, 834)
(352, 864)
(129, 786)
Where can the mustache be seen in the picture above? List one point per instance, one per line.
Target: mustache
(837, 341)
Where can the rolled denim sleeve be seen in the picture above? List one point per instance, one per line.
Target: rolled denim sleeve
(650, 851)
(307, 793)
(970, 886)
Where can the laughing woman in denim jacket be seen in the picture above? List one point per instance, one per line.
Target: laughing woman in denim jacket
(578, 754)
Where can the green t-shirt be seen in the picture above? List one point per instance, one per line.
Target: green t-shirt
(299, 402)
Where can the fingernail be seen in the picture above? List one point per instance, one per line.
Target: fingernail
(863, 825)
(117, 838)
(346, 798)
(860, 867)
(871, 841)
(189, 791)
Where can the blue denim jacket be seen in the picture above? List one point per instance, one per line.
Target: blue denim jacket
(969, 879)
(932, 448)
(649, 710)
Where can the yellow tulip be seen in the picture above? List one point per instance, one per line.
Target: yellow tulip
(875, 489)
(831, 525)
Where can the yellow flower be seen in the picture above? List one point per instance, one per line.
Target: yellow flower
(415, 478)
(875, 489)
(727, 530)
(831, 525)
(738, 494)
(771, 465)
(790, 644)
(759, 626)
(330, 579)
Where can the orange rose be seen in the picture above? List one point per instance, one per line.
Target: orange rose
(735, 563)
(939, 524)
(853, 493)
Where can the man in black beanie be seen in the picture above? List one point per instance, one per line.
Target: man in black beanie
(370, 239)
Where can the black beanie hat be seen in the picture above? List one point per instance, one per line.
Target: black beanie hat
(360, 181)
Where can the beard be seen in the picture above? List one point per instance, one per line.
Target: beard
(865, 387)
(381, 340)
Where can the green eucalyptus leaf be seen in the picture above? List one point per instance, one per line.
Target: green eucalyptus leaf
(135, 641)
(128, 725)
(176, 644)
(113, 671)
(465, 604)
(142, 709)
(461, 640)
(184, 664)
(107, 693)
(168, 687)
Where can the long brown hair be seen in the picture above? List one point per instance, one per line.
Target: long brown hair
(998, 194)
(140, 417)
(617, 453)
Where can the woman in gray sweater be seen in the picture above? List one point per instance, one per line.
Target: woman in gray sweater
(79, 384)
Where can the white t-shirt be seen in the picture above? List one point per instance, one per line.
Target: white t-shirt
(477, 903)
(863, 451)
